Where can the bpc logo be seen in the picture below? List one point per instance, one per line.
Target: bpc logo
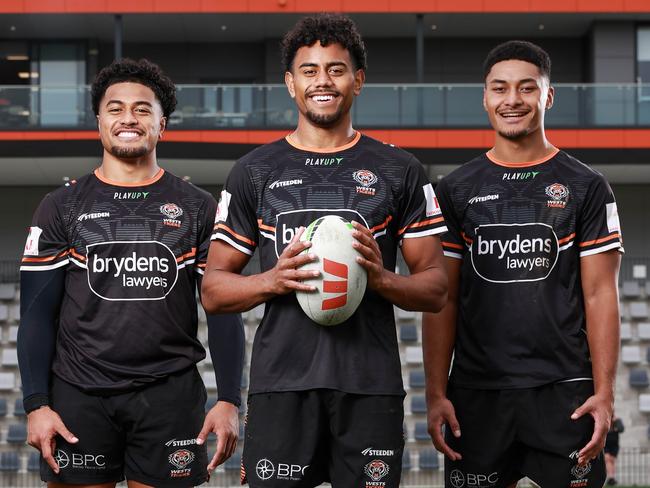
(264, 469)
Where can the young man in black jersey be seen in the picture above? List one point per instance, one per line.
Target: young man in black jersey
(325, 403)
(107, 343)
(533, 250)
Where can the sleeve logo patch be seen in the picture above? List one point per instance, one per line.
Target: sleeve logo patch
(222, 207)
(433, 208)
(31, 246)
(613, 224)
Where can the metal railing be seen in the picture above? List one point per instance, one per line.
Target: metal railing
(268, 106)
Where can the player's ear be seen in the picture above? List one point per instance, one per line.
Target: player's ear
(359, 80)
(550, 97)
(163, 124)
(484, 101)
(288, 80)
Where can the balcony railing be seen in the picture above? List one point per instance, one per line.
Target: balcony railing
(216, 107)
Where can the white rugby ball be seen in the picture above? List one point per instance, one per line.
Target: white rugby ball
(342, 281)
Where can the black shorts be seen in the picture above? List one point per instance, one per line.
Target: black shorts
(149, 435)
(304, 438)
(509, 434)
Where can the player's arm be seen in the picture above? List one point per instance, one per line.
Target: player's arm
(225, 290)
(41, 293)
(226, 345)
(438, 338)
(425, 289)
(599, 275)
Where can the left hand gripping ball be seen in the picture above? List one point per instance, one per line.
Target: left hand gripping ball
(342, 282)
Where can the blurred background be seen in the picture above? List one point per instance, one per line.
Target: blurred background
(423, 93)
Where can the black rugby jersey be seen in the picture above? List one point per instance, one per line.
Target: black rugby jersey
(520, 230)
(277, 188)
(131, 252)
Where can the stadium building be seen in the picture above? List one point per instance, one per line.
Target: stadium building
(423, 93)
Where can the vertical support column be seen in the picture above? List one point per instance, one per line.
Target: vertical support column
(117, 40)
(419, 65)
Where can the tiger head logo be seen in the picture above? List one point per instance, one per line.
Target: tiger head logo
(181, 458)
(376, 469)
(171, 210)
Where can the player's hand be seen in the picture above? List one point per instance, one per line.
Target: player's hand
(223, 420)
(600, 408)
(284, 277)
(370, 258)
(440, 411)
(43, 424)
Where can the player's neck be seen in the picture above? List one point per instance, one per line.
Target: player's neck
(308, 135)
(130, 171)
(533, 148)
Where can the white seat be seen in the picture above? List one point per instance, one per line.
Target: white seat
(9, 357)
(626, 331)
(644, 403)
(7, 381)
(414, 355)
(15, 312)
(13, 334)
(4, 313)
(7, 291)
(631, 354)
(643, 331)
(209, 380)
(638, 310)
(404, 315)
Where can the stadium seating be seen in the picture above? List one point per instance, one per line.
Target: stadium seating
(638, 310)
(639, 378)
(4, 312)
(414, 355)
(428, 460)
(406, 460)
(17, 434)
(631, 354)
(644, 403)
(626, 331)
(9, 357)
(421, 433)
(19, 409)
(416, 379)
(9, 461)
(418, 404)
(408, 333)
(7, 381)
(7, 291)
(233, 463)
(34, 462)
(631, 289)
(643, 331)
(3, 407)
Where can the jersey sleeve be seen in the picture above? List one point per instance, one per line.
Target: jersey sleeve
(47, 244)
(453, 245)
(206, 224)
(419, 214)
(235, 221)
(598, 226)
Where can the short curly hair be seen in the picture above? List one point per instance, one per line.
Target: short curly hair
(142, 71)
(328, 29)
(521, 51)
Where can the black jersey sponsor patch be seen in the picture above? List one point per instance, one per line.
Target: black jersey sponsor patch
(508, 253)
(131, 270)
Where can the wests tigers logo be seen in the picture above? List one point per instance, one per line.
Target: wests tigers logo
(376, 469)
(181, 458)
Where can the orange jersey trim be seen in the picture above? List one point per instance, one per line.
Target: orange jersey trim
(240, 237)
(602, 239)
(566, 239)
(523, 164)
(420, 224)
(383, 225)
(264, 226)
(319, 150)
(452, 245)
(146, 182)
(183, 257)
(46, 258)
